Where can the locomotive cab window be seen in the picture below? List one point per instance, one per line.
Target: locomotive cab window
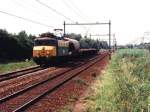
(47, 42)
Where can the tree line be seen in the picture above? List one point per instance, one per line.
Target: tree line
(15, 46)
(145, 45)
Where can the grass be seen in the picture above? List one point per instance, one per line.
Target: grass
(11, 66)
(125, 86)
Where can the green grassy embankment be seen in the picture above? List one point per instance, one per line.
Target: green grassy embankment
(125, 85)
(11, 66)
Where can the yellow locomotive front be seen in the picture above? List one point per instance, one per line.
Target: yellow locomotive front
(44, 50)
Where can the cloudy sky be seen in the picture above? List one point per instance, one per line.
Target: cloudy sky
(129, 18)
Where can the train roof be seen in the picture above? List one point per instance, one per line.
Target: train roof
(48, 38)
(45, 38)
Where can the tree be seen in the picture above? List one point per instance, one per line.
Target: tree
(26, 44)
(74, 36)
(15, 46)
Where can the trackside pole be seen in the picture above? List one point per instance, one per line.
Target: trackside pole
(109, 39)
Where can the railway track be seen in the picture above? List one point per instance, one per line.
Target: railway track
(12, 86)
(14, 74)
(39, 90)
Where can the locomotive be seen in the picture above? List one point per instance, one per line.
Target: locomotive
(48, 48)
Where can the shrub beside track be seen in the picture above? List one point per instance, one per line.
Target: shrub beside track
(125, 86)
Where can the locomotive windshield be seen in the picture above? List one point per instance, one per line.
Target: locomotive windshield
(47, 42)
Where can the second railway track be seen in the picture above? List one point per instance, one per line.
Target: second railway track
(14, 74)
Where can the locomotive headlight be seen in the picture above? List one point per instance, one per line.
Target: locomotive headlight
(48, 52)
(35, 53)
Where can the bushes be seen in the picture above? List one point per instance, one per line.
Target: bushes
(125, 86)
(15, 47)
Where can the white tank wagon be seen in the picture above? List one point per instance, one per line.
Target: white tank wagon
(74, 45)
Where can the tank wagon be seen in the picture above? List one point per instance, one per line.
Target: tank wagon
(49, 48)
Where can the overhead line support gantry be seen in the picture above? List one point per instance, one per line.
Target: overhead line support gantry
(97, 23)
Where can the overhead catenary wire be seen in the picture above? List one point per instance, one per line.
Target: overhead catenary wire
(23, 3)
(79, 15)
(26, 19)
(57, 12)
(71, 8)
(24, 6)
(54, 10)
(76, 8)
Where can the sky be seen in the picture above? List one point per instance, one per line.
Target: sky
(130, 19)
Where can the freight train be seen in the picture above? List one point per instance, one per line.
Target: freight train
(48, 48)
